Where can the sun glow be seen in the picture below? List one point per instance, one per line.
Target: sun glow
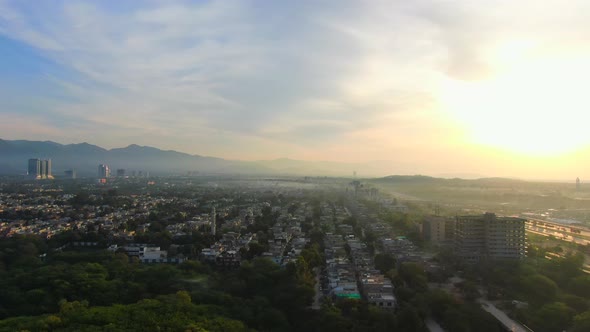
(534, 106)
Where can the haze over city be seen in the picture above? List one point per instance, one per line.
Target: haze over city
(317, 166)
(424, 86)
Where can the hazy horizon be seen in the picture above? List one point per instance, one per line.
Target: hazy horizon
(433, 87)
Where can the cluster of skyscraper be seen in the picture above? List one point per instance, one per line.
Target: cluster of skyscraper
(104, 172)
(40, 169)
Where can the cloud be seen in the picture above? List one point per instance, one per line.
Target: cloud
(233, 78)
(217, 62)
(296, 74)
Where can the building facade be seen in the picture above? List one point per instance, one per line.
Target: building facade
(489, 237)
(104, 171)
(438, 230)
(39, 169)
(34, 169)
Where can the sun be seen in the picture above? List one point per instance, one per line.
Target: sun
(537, 106)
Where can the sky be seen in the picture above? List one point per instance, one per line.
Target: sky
(494, 88)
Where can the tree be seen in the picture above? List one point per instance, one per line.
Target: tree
(470, 290)
(438, 301)
(409, 320)
(384, 262)
(312, 256)
(414, 276)
(539, 288)
(571, 265)
(579, 304)
(580, 286)
(256, 249)
(454, 320)
(551, 317)
(582, 322)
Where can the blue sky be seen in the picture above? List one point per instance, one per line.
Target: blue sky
(317, 80)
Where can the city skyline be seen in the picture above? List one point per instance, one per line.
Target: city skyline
(75, 156)
(495, 90)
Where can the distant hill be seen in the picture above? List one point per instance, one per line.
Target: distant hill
(422, 179)
(409, 178)
(85, 158)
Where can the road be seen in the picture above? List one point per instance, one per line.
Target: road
(564, 232)
(318, 293)
(508, 322)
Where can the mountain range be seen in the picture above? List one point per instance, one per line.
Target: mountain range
(85, 158)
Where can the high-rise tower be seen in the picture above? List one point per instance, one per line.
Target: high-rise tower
(39, 169)
(46, 169)
(34, 169)
(104, 171)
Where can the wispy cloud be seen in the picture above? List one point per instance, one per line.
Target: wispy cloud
(250, 78)
(221, 64)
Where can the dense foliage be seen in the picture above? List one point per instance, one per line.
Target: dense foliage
(95, 290)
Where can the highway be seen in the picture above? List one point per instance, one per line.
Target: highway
(566, 232)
